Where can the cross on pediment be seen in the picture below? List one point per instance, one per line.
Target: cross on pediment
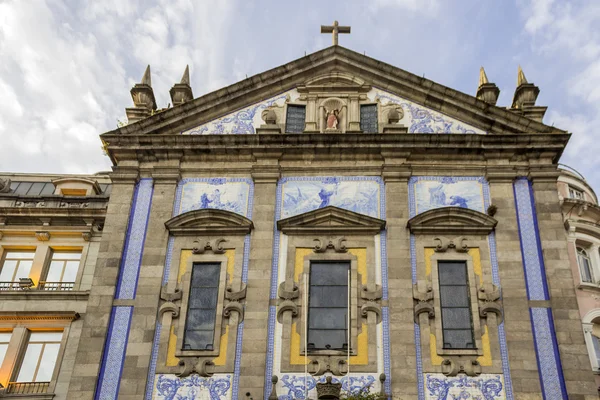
(335, 29)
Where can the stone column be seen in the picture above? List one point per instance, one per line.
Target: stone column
(353, 114)
(517, 323)
(561, 286)
(311, 115)
(400, 302)
(254, 344)
(145, 305)
(100, 301)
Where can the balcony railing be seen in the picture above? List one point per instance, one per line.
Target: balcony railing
(27, 387)
(54, 286)
(43, 285)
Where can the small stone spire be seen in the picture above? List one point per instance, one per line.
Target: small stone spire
(524, 98)
(143, 99)
(487, 91)
(182, 91)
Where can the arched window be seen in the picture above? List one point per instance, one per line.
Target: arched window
(585, 266)
(591, 330)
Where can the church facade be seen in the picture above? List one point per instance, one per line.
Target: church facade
(333, 217)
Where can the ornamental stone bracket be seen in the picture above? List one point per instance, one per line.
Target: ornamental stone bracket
(373, 307)
(199, 365)
(336, 244)
(423, 296)
(453, 366)
(215, 246)
(488, 295)
(288, 304)
(42, 236)
(372, 295)
(319, 365)
(235, 302)
(372, 300)
(459, 244)
(170, 299)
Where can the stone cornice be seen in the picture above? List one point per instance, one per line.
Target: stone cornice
(208, 222)
(452, 220)
(336, 59)
(331, 220)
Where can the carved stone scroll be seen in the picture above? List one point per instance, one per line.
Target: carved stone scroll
(288, 294)
(423, 296)
(489, 301)
(216, 246)
(287, 305)
(459, 244)
(456, 365)
(371, 306)
(169, 307)
(372, 295)
(202, 367)
(337, 244)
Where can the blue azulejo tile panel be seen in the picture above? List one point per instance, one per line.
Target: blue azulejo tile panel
(419, 119)
(114, 353)
(429, 192)
(482, 387)
(134, 241)
(533, 262)
(546, 347)
(243, 121)
(193, 387)
(300, 386)
(230, 194)
(360, 194)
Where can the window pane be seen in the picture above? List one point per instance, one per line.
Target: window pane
(23, 188)
(20, 255)
(368, 118)
(23, 269)
(326, 339)
(198, 340)
(454, 296)
(3, 348)
(8, 270)
(295, 119)
(456, 318)
(70, 273)
(48, 189)
(452, 273)
(203, 298)
(206, 275)
(327, 318)
(458, 339)
(29, 364)
(45, 337)
(329, 296)
(55, 271)
(5, 337)
(47, 362)
(329, 274)
(36, 189)
(66, 255)
(200, 319)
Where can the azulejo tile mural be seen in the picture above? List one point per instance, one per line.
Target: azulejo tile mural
(419, 119)
(231, 194)
(437, 191)
(358, 194)
(294, 386)
(194, 387)
(244, 121)
(482, 387)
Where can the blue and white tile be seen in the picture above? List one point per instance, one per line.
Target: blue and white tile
(193, 387)
(432, 192)
(482, 387)
(243, 121)
(421, 119)
(230, 194)
(300, 386)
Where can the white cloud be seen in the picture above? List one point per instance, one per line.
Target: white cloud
(421, 6)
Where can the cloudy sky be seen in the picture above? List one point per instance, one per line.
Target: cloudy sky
(67, 66)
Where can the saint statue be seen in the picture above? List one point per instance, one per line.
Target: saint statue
(332, 118)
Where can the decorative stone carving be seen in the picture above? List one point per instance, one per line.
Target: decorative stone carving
(4, 185)
(457, 365)
(232, 295)
(337, 244)
(328, 390)
(288, 294)
(169, 307)
(333, 114)
(166, 296)
(423, 296)
(459, 244)
(320, 365)
(269, 116)
(273, 395)
(489, 301)
(287, 305)
(234, 304)
(202, 367)
(395, 114)
(373, 294)
(73, 204)
(36, 204)
(182, 91)
(42, 236)
(216, 246)
(371, 306)
(87, 236)
(170, 299)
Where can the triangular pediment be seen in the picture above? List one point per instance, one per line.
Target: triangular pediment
(209, 221)
(452, 220)
(331, 220)
(350, 70)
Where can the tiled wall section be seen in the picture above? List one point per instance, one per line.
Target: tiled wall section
(546, 347)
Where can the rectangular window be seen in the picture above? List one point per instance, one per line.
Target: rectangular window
(295, 119)
(455, 302)
(40, 357)
(62, 271)
(368, 118)
(16, 264)
(202, 307)
(4, 340)
(328, 306)
(575, 194)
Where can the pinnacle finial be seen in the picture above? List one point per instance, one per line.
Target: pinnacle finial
(146, 79)
(185, 79)
(521, 77)
(482, 77)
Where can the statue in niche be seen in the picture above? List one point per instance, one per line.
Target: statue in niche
(332, 118)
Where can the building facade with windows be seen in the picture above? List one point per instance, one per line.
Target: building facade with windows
(332, 217)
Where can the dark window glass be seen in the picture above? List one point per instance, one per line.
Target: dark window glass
(23, 188)
(457, 325)
(48, 189)
(36, 189)
(368, 118)
(295, 119)
(202, 307)
(328, 306)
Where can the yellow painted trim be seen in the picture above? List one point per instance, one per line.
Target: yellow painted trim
(222, 359)
(230, 254)
(429, 251)
(435, 359)
(172, 361)
(185, 256)
(362, 356)
(67, 248)
(475, 255)
(486, 359)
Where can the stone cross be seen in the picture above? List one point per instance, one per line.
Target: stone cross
(335, 29)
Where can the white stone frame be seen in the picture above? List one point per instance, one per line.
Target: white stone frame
(588, 325)
(593, 252)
